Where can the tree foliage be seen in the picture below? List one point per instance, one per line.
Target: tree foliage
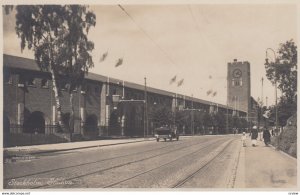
(161, 115)
(284, 70)
(220, 122)
(58, 36)
(285, 110)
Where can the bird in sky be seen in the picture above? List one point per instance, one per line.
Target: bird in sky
(103, 56)
(209, 92)
(119, 62)
(173, 79)
(180, 83)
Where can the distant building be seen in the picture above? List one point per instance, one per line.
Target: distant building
(29, 111)
(239, 90)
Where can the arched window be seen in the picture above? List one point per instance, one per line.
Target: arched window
(7, 78)
(44, 83)
(31, 82)
(35, 123)
(97, 90)
(91, 123)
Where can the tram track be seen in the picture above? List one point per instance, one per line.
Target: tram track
(169, 163)
(88, 163)
(161, 166)
(192, 175)
(112, 167)
(132, 162)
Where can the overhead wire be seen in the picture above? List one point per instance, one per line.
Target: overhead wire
(147, 35)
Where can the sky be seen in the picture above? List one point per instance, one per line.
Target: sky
(194, 42)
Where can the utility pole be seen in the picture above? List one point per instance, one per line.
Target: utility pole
(192, 117)
(145, 109)
(175, 106)
(262, 91)
(227, 125)
(276, 106)
(276, 113)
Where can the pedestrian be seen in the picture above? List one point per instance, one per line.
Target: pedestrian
(254, 135)
(272, 132)
(266, 136)
(244, 136)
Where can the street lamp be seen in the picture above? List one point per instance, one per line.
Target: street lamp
(276, 107)
(192, 118)
(145, 107)
(227, 125)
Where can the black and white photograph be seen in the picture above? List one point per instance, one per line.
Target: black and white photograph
(188, 95)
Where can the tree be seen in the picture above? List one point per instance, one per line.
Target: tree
(236, 123)
(285, 110)
(207, 120)
(161, 116)
(284, 70)
(182, 118)
(198, 121)
(220, 122)
(244, 123)
(58, 36)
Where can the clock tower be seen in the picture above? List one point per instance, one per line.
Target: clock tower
(238, 86)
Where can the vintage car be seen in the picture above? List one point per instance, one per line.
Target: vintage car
(165, 133)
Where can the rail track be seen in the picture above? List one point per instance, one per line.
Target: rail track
(177, 148)
(170, 162)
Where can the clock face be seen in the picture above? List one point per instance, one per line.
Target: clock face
(237, 73)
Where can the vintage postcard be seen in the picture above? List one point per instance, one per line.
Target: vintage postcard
(187, 95)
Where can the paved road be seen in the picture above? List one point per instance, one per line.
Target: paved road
(194, 162)
(207, 161)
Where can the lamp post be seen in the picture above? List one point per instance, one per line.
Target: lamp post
(227, 125)
(146, 108)
(192, 118)
(175, 109)
(276, 107)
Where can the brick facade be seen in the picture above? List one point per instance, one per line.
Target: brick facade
(28, 93)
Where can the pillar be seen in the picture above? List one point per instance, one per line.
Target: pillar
(104, 110)
(82, 118)
(20, 117)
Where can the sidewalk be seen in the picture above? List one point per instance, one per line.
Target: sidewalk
(47, 148)
(265, 167)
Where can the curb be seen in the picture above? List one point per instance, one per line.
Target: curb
(77, 148)
(282, 152)
(239, 182)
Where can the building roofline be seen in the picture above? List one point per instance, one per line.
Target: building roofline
(30, 64)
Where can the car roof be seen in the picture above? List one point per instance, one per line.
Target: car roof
(163, 128)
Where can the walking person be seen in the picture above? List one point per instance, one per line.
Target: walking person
(267, 136)
(254, 135)
(244, 136)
